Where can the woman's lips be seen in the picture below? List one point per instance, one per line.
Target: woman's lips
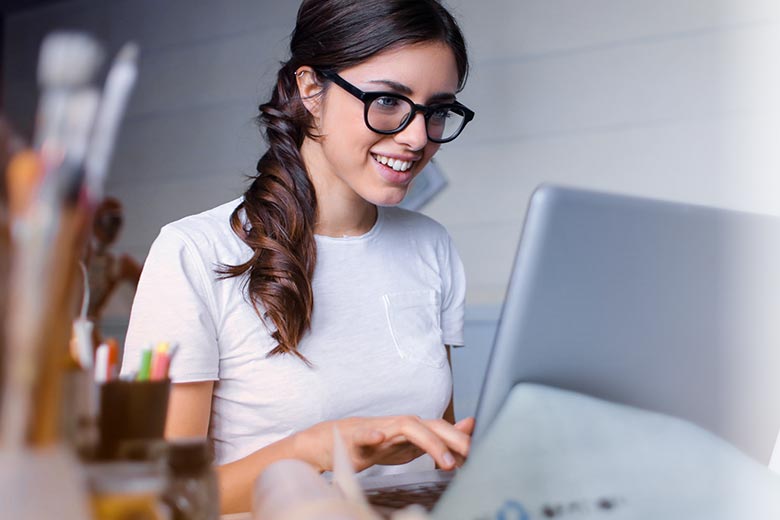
(396, 163)
(393, 176)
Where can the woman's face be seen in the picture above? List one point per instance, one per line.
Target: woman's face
(348, 161)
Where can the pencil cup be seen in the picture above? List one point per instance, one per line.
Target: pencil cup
(131, 413)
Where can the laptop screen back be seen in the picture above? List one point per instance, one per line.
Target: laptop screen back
(669, 307)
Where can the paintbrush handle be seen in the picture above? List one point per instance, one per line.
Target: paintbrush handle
(37, 350)
(58, 319)
(22, 177)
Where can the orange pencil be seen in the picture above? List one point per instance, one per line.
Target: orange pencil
(113, 358)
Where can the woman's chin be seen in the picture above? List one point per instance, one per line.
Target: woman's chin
(391, 197)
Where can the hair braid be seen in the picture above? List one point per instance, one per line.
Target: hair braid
(279, 209)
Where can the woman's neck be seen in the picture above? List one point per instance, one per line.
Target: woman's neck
(337, 217)
(340, 211)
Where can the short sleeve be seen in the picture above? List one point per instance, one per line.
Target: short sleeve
(174, 303)
(453, 295)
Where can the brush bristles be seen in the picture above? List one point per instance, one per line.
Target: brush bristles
(128, 53)
(68, 60)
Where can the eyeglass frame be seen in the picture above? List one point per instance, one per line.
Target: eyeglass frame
(427, 111)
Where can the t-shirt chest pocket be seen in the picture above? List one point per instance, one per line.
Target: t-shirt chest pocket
(413, 318)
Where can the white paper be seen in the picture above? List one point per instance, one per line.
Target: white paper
(557, 454)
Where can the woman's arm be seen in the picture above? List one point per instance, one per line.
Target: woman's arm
(369, 441)
(449, 413)
(189, 409)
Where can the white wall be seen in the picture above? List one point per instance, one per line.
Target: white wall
(632, 97)
(665, 98)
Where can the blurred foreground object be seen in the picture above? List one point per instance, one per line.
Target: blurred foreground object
(293, 490)
(42, 484)
(106, 270)
(50, 226)
(46, 232)
(551, 453)
(192, 492)
(127, 490)
(51, 198)
(10, 144)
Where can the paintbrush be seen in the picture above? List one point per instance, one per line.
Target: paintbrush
(119, 83)
(81, 193)
(43, 240)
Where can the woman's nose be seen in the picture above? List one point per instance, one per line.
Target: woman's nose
(414, 136)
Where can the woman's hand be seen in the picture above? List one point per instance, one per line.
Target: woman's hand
(388, 440)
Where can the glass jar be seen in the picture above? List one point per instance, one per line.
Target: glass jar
(192, 492)
(124, 490)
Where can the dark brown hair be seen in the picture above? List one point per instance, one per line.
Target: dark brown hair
(280, 207)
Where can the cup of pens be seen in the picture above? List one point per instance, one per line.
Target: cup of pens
(133, 411)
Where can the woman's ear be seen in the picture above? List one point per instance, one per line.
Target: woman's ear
(309, 88)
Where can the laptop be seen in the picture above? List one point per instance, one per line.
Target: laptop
(665, 306)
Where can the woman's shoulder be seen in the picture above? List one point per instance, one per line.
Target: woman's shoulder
(208, 230)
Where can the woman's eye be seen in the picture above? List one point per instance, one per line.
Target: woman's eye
(387, 102)
(441, 114)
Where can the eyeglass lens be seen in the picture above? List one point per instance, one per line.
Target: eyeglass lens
(388, 113)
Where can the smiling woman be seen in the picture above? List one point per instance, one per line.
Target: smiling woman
(312, 302)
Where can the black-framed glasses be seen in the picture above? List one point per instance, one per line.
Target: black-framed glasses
(389, 113)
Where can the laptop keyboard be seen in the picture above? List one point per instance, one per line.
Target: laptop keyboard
(423, 493)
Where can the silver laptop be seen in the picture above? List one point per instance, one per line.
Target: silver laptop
(666, 306)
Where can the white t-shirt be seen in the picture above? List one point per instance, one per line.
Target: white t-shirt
(385, 304)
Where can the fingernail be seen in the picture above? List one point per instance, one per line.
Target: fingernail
(449, 460)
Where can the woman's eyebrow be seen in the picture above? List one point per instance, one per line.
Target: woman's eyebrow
(398, 87)
(406, 91)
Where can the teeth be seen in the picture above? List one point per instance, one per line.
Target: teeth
(395, 164)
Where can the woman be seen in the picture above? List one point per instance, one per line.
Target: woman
(312, 302)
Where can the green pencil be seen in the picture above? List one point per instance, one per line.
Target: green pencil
(146, 365)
